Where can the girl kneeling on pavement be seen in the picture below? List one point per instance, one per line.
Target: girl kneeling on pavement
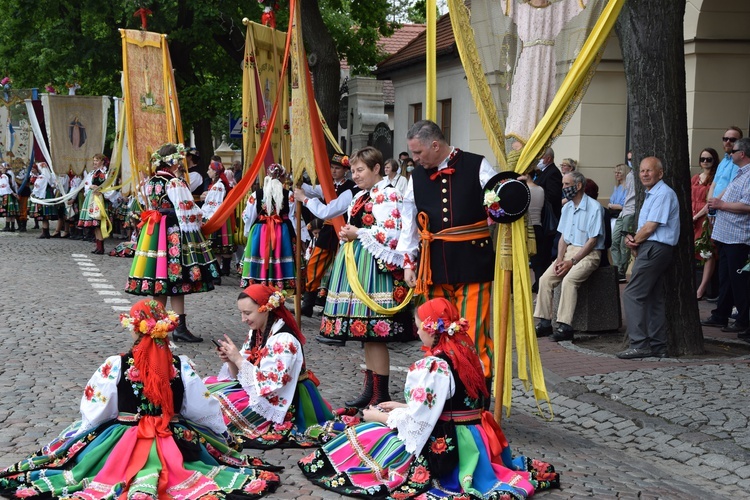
(440, 443)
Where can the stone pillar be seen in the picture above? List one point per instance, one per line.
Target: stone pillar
(227, 154)
(366, 109)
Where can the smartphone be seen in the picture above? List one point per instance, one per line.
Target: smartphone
(216, 343)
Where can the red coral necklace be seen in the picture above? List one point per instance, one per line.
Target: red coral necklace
(360, 204)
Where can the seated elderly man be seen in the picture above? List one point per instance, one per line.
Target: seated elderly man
(582, 236)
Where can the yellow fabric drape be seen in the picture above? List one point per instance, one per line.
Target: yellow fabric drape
(352, 275)
(523, 324)
(105, 223)
(430, 97)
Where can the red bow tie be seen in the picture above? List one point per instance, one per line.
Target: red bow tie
(437, 173)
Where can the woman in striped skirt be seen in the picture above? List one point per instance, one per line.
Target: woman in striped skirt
(440, 443)
(374, 225)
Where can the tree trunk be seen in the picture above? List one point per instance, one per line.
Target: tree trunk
(324, 63)
(652, 42)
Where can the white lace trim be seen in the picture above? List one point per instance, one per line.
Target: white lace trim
(414, 433)
(258, 404)
(378, 250)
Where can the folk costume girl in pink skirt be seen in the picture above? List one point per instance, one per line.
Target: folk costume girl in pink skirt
(269, 227)
(440, 443)
(148, 430)
(172, 258)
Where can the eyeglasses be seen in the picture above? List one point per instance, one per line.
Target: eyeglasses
(706, 160)
(729, 139)
(737, 151)
(565, 164)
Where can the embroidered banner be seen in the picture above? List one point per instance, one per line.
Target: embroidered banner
(76, 130)
(16, 137)
(152, 112)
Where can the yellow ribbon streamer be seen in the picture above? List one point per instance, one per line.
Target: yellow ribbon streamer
(106, 224)
(352, 275)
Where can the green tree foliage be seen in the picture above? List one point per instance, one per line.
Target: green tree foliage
(64, 41)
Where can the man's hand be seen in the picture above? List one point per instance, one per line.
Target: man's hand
(562, 267)
(300, 195)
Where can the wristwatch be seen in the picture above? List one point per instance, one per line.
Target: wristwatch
(574, 261)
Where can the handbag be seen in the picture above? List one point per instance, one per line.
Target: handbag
(549, 219)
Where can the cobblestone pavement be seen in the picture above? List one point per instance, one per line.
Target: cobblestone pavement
(622, 429)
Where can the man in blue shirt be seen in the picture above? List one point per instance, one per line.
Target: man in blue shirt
(727, 169)
(581, 230)
(653, 245)
(731, 233)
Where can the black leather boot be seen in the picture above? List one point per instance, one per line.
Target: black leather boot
(45, 234)
(364, 398)
(182, 333)
(226, 266)
(7, 227)
(22, 226)
(308, 303)
(379, 389)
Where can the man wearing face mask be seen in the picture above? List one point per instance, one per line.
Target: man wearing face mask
(550, 179)
(578, 254)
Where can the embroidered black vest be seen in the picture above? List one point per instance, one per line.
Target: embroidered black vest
(130, 395)
(450, 201)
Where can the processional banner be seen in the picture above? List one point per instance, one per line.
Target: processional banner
(528, 64)
(152, 111)
(264, 52)
(16, 137)
(76, 130)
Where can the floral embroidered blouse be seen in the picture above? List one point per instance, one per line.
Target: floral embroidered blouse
(95, 178)
(100, 402)
(429, 384)
(215, 197)
(271, 382)
(41, 182)
(381, 221)
(164, 191)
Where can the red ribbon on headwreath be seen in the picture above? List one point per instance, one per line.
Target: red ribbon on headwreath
(270, 244)
(152, 217)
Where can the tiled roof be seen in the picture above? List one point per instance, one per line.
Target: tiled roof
(392, 44)
(402, 36)
(414, 51)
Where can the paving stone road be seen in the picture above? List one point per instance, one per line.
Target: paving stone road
(622, 429)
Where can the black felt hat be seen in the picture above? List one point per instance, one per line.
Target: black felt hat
(506, 198)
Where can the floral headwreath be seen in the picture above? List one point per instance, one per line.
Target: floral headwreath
(274, 301)
(433, 327)
(157, 159)
(156, 329)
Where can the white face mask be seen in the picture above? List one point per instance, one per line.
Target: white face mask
(541, 164)
(409, 168)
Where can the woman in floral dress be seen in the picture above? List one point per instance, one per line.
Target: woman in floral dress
(374, 225)
(222, 241)
(91, 211)
(8, 198)
(440, 443)
(148, 429)
(172, 258)
(269, 227)
(268, 396)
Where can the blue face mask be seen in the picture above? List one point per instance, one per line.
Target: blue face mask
(409, 168)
